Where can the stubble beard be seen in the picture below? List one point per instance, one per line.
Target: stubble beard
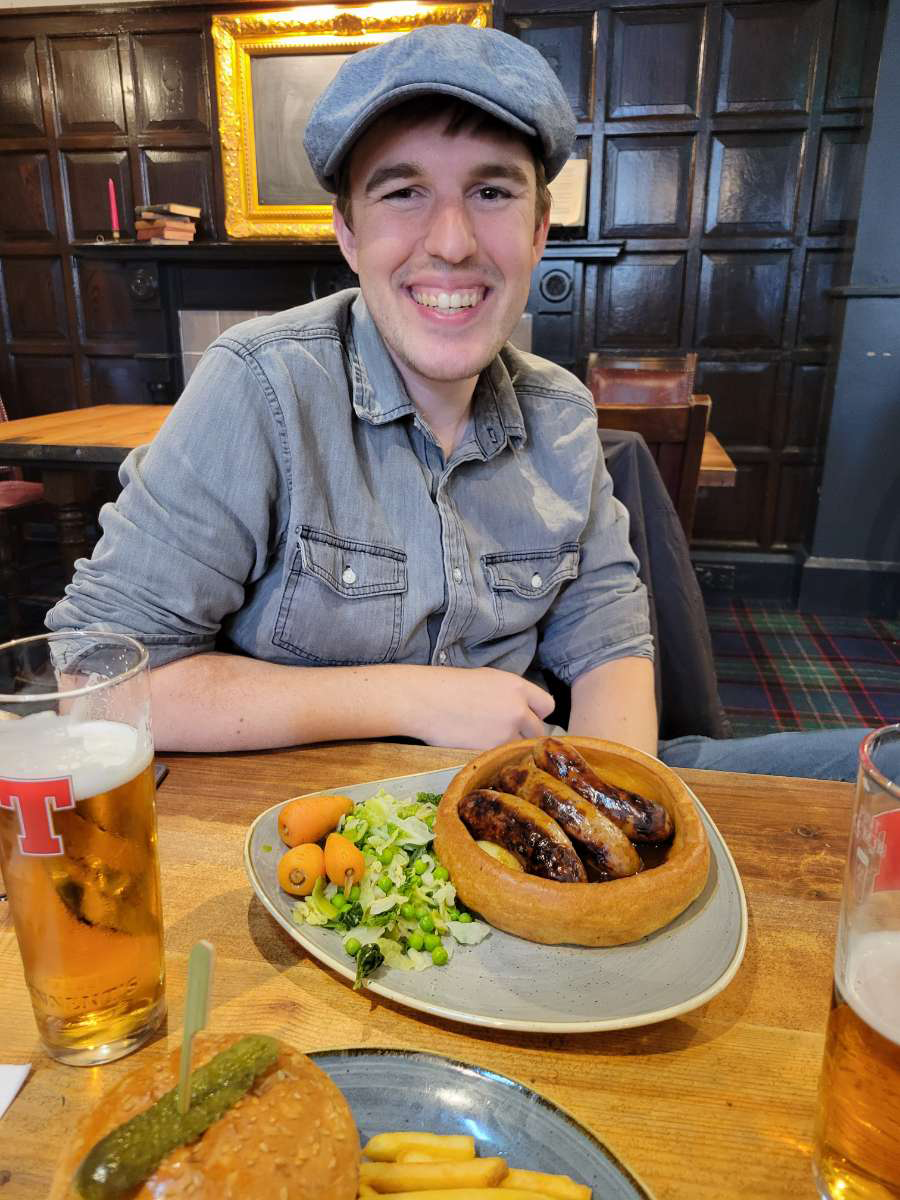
(435, 367)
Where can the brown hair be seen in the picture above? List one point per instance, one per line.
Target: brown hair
(461, 117)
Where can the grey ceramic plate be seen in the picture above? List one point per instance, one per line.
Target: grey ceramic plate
(508, 983)
(400, 1089)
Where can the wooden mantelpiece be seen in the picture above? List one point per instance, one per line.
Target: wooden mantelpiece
(251, 251)
(254, 251)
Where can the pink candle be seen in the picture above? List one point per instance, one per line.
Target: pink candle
(113, 209)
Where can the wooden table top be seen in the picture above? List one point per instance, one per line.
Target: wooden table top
(714, 1104)
(716, 466)
(104, 434)
(101, 434)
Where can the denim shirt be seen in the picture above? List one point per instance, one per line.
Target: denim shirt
(295, 508)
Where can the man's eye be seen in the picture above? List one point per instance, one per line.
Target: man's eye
(489, 192)
(404, 193)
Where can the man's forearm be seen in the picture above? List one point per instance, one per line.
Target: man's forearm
(211, 702)
(214, 702)
(616, 701)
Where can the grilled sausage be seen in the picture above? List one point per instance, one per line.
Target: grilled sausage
(611, 851)
(641, 819)
(533, 837)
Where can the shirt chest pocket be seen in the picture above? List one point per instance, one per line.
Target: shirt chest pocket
(525, 583)
(343, 601)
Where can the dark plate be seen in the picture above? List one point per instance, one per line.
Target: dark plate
(405, 1089)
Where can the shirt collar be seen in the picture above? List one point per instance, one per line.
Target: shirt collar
(379, 394)
(498, 415)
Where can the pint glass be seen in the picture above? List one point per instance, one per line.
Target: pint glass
(78, 840)
(857, 1147)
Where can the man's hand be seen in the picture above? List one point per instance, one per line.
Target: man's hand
(475, 707)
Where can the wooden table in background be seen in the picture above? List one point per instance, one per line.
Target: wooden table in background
(714, 1104)
(67, 447)
(716, 466)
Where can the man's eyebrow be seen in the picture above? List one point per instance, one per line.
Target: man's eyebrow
(401, 170)
(411, 170)
(494, 170)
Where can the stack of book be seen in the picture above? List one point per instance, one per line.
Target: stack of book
(166, 224)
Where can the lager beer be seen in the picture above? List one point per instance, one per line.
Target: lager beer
(79, 859)
(858, 1120)
(857, 1144)
(88, 917)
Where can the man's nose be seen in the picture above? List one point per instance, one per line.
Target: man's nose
(450, 235)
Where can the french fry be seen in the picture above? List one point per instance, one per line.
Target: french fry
(465, 1194)
(420, 1155)
(559, 1186)
(433, 1176)
(384, 1147)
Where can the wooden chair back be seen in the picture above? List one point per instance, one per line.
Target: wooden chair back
(615, 379)
(674, 433)
(18, 499)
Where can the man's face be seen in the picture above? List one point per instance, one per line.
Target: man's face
(444, 243)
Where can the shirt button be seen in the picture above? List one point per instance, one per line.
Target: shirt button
(442, 657)
(349, 575)
(536, 580)
(457, 575)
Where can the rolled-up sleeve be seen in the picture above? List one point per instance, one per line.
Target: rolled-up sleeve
(193, 525)
(603, 613)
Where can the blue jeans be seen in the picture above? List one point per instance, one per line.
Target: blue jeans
(820, 754)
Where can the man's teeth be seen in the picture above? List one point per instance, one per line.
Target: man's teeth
(448, 300)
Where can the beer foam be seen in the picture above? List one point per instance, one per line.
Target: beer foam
(97, 755)
(872, 981)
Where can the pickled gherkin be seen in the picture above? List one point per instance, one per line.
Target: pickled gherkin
(132, 1151)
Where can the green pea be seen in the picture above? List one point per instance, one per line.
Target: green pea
(432, 941)
(439, 956)
(352, 947)
(441, 873)
(387, 854)
(452, 914)
(354, 893)
(417, 940)
(338, 900)
(421, 866)
(421, 910)
(465, 918)
(426, 924)
(408, 910)
(386, 884)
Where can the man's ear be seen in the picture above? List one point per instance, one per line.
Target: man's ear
(540, 238)
(346, 238)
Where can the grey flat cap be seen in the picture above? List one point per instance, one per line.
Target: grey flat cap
(487, 68)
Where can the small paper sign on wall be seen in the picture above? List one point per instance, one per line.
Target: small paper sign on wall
(569, 192)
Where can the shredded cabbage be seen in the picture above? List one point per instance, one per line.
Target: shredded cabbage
(404, 888)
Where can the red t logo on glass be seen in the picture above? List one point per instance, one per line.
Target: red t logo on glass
(33, 800)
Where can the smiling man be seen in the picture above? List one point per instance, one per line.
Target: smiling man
(443, 229)
(371, 516)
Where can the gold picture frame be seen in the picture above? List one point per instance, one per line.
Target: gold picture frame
(270, 191)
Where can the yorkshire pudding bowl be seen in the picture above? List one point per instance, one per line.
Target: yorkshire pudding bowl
(582, 914)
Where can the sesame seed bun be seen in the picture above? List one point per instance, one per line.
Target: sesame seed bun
(292, 1135)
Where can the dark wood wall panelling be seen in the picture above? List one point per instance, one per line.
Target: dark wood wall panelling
(85, 99)
(726, 143)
